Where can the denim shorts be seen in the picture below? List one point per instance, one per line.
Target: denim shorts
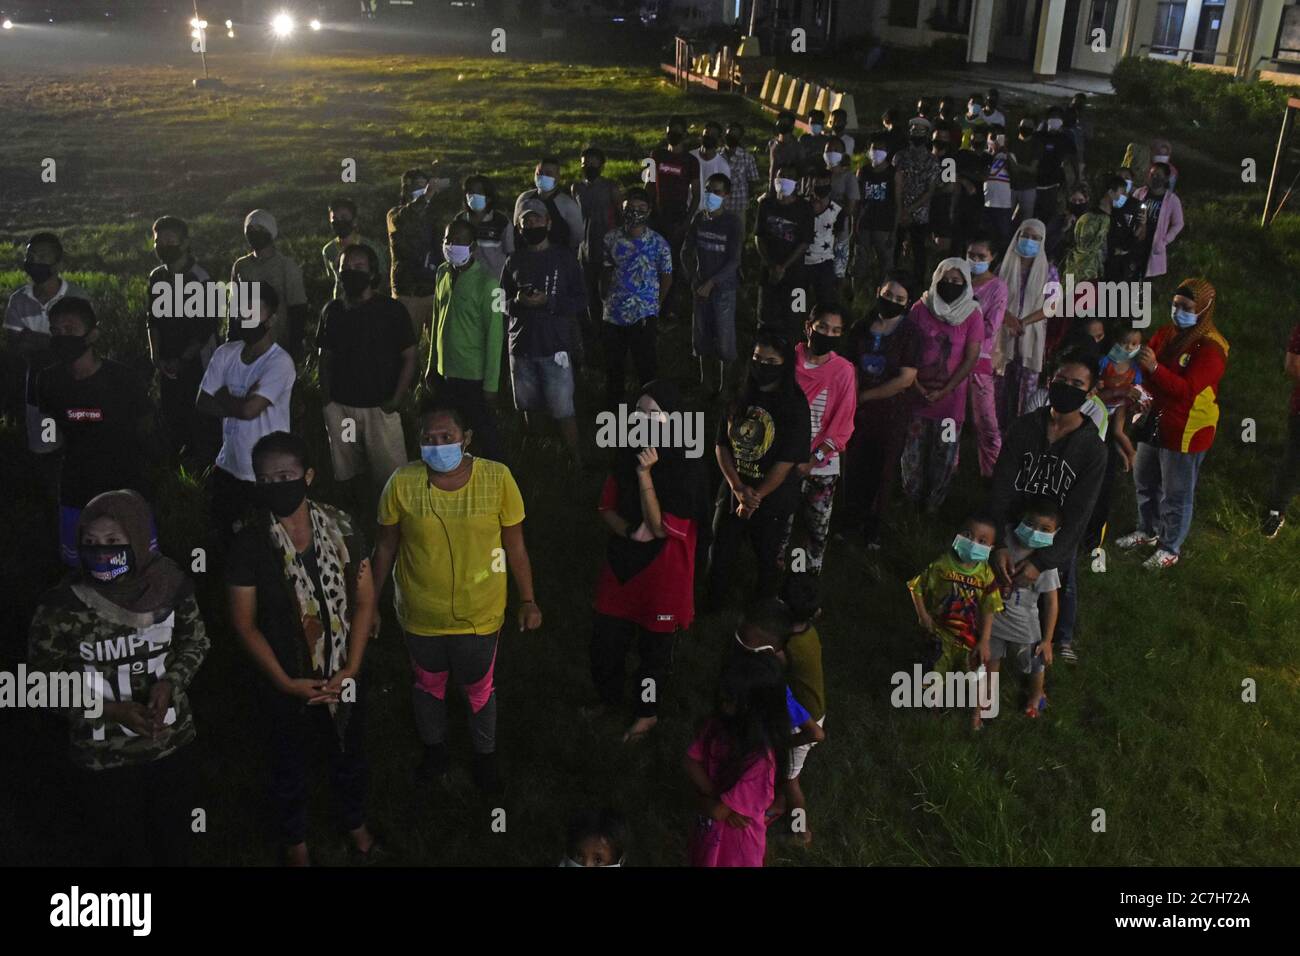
(539, 384)
(1027, 661)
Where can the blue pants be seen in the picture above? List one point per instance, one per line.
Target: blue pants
(1166, 485)
(1067, 601)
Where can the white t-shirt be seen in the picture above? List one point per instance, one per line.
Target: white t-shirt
(273, 374)
(718, 164)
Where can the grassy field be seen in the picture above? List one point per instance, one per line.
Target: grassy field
(1149, 726)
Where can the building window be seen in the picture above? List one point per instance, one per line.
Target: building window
(1013, 23)
(1169, 27)
(903, 13)
(950, 16)
(1102, 18)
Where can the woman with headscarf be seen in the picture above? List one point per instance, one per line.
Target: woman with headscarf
(652, 504)
(303, 604)
(126, 621)
(1022, 344)
(763, 435)
(951, 329)
(1181, 367)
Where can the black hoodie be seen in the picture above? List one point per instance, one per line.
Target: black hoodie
(1069, 472)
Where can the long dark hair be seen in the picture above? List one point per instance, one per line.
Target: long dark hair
(747, 389)
(752, 687)
(679, 482)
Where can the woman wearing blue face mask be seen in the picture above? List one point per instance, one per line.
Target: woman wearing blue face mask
(452, 524)
(1022, 344)
(1182, 366)
(495, 234)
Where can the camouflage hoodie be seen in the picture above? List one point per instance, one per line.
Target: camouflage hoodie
(76, 630)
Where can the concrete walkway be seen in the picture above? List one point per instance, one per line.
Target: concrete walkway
(1006, 77)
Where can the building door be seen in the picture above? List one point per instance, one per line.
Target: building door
(1207, 31)
(1069, 27)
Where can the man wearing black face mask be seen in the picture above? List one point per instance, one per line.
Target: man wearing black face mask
(266, 265)
(1054, 452)
(343, 223)
(103, 410)
(27, 332)
(367, 365)
(545, 293)
(179, 344)
(600, 201)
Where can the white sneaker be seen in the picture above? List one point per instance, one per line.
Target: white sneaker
(1160, 560)
(1136, 539)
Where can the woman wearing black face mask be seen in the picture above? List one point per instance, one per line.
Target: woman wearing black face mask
(127, 619)
(884, 349)
(302, 602)
(764, 434)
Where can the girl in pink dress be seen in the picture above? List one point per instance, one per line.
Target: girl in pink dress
(736, 760)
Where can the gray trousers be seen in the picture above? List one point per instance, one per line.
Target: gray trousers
(472, 658)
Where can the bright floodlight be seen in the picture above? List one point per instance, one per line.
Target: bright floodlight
(7, 24)
(282, 25)
(230, 24)
(315, 24)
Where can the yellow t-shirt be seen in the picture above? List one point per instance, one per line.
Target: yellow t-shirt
(451, 573)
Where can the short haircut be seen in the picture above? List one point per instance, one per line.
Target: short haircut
(789, 168)
(736, 125)
(604, 824)
(835, 139)
(47, 239)
(879, 138)
(171, 224)
(771, 616)
(836, 113)
(711, 124)
(677, 120)
(1114, 182)
(1081, 356)
(282, 443)
(595, 152)
(486, 184)
(1164, 168)
(342, 203)
(636, 193)
(549, 161)
(984, 518)
(434, 404)
(1040, 506)
(266, 292)
(721, 178)
(462, 228)
(1055, 110)
(74, 307)
(817, 114)
(785, 116)
(361, 248)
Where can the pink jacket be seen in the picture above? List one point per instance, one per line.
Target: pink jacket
(1168, 226)
(838, 380)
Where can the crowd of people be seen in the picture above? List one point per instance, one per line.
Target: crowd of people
(902, 286)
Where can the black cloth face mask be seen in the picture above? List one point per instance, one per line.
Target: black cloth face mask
(283, 497)
(819, 343)
(354, 282)
(38, 271)
(342, 227)
(888, 308)
(68, 348)
(1065, 398)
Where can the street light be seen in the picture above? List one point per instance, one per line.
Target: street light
(282, 25)
(7, 24)
(199, 31)
(315, 24)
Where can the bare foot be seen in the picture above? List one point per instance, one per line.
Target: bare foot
(296, 855)
(640, 727)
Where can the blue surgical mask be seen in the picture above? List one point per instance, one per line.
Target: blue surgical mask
(417, 193)
(977, 268)
(712, 202)
(815, 128)
(1182, 318)
(1120, 200)
(544, 183)
(1118, 353)
(970, 552)
(1033, 538)
(1027, 247)
(442, 458)
(477, 202)
(457, 255)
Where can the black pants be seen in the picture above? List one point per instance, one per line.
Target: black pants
(822, 285)
(469, 396)
(1289, 473)
(230, 502)
(618, 341)
(139, 815)
(611, 639)
(776, 300)
(181, 420)
(765, 530)
(1101, 510)
(917, 236)
(299, 735)
(871, 466)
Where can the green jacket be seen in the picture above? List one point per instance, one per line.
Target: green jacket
(469, 325)
(76, 631)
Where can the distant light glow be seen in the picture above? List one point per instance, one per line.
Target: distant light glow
(7, 24)
(282, 24)
(230, 24)
(315, 24)
(231, 34)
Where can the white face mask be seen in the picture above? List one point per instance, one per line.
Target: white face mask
(456, 255)
(785, 187)
(1053, 124)
(1162, 158)
(833, 159)
(878, 156)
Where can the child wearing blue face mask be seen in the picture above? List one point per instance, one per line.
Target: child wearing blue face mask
(1019, 631)
(956, 598)
(1118, 377)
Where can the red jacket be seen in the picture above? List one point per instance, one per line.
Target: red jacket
(1186, 390)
